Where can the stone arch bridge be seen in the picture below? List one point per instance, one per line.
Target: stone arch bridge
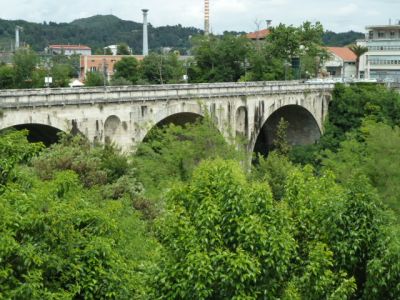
(125, 115)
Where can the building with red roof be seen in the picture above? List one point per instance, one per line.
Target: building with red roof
(342, 63)
(258, 35)
(70, 49)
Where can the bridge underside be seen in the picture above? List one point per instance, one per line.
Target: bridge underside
(48, 135)
(180, 119)
(302, 130)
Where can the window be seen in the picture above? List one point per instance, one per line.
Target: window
(381, 34)
(392, 34)
(371, 35)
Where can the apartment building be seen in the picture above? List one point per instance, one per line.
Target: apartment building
(382, 61)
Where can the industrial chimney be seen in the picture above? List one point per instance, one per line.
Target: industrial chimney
(206, 17)
(145, 34)
(17, 29)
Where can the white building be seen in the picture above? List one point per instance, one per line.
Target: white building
(70, 49)
(382, 61)
(341, 64)
(114, 49)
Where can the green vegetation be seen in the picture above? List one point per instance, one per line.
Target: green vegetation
(184, 218)
(114, 31)
(28, 70)
(171, 153)
(331, 38)
(94, 79)
(97, 32)
(67, 222)
(361, 138)
(287, 53)
(127, 68)
(161, 69)
(358, 51)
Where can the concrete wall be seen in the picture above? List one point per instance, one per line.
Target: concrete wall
(126, 114)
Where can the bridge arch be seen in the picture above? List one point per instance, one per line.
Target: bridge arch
(177, 119)
(242, 121)
(303, 128)
(46, 134)
(111, 126)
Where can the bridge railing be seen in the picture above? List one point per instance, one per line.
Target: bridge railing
(91, 95)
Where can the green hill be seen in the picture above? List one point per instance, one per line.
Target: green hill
(331, 38)
(96, 32)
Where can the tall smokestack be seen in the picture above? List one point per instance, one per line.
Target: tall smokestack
(206, 17)
(17, 28)
(145, 34)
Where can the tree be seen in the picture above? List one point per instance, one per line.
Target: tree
(219, 59)
(61, 74)
(370, 153)
(285, 42)
(123, 49)
(127, 68)
(7, 77)
(274, 170)
(224, 238)
(359, 51)
(94, 79)
(72, 61)
(170, 153)
(107, 51)
(25, 62)
(59, 239)
(161, 69)
(262, 65)
(281, 144)
(301, 43)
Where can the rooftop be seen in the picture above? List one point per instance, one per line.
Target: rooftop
(343, 52)
(395, 26)
(262, 34)
(72, 47)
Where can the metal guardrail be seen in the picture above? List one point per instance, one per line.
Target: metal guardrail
(90, 95)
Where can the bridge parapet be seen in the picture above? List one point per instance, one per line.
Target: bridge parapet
(88, 95)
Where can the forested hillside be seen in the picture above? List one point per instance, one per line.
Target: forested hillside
(100, 31)
(331, 38)
(96, 32)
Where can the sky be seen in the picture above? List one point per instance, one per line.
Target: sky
(237, 15)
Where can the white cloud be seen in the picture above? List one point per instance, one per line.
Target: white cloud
(349, 9)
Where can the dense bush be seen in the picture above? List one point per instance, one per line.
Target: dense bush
(59, 239)
(227, 238)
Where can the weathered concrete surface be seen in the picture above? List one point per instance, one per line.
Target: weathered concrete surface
(124, 115)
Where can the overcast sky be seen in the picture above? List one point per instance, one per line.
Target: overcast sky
(239, 15)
